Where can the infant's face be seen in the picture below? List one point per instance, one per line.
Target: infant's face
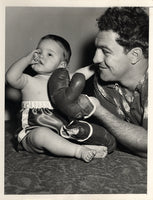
(50, 56)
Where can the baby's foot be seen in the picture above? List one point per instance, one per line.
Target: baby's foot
(85, 153)
(101, 151)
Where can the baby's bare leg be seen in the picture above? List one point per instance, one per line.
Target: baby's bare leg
(44, 138)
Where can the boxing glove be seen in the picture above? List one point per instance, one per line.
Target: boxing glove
(88, 134)
(65, 94)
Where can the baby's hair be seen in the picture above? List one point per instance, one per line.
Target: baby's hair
(62, 42)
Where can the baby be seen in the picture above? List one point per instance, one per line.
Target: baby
(39, 124)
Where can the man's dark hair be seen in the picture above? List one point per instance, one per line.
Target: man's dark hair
(130, 23)
(62, 42)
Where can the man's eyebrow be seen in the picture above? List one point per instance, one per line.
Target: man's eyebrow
(104, 47)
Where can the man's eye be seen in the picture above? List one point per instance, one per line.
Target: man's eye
(49, 54)
(106, 52)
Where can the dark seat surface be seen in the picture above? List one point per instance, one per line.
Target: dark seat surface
(118, 173)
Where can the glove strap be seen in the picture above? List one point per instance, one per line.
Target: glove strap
(79, 131)
(93, 109)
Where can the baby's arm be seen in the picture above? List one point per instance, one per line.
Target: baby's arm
(88, 71)
(15, 76)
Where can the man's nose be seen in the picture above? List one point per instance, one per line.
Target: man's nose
(98, 57)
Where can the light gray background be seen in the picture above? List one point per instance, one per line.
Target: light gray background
(26, 25)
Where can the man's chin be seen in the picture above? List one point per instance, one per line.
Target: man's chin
(103, 77)
(107, 79)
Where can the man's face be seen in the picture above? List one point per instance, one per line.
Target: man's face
(113, 63)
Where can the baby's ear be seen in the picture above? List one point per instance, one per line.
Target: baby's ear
(63, 64)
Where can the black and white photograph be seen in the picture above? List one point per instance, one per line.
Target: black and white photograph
(76, 100)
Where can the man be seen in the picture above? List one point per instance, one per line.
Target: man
(121, 84)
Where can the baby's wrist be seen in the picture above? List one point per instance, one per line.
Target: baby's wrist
(29, 58)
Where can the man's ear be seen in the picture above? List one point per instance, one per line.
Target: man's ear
(62, 64)
(135, 55)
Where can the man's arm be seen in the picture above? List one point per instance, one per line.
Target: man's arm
(15, 76)
(87, 71)
(132, 136)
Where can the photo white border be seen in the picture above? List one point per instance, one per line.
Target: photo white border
(75, 3)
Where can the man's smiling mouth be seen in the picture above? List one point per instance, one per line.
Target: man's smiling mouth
(102, 67)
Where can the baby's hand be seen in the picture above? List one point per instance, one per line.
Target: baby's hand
(35, 56)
